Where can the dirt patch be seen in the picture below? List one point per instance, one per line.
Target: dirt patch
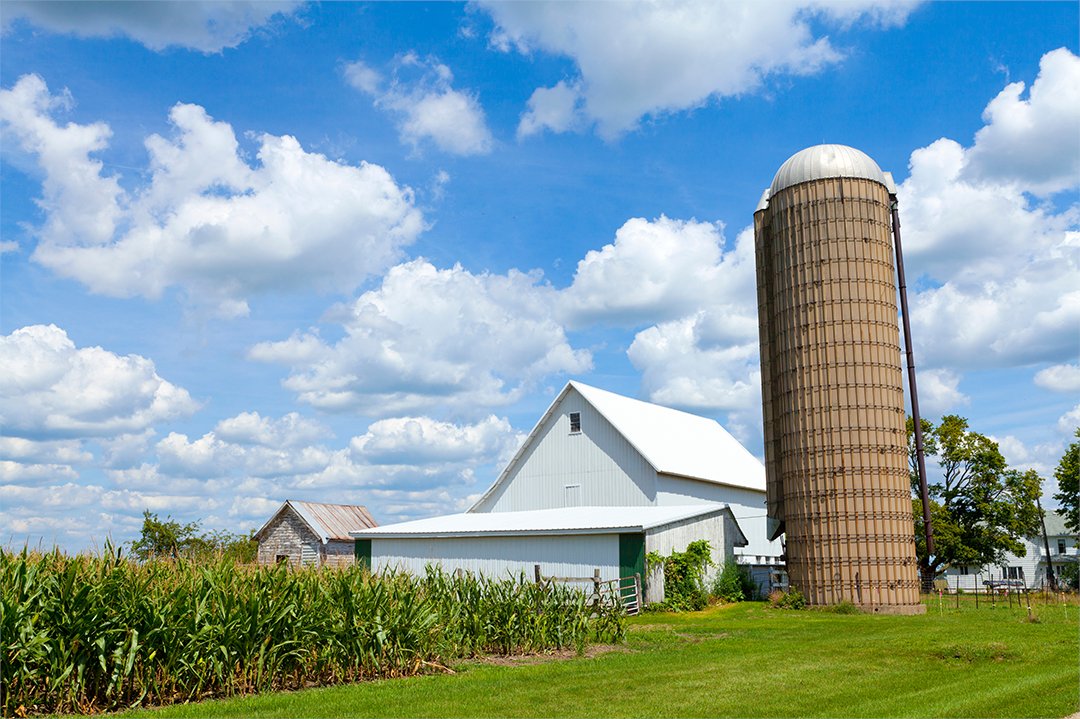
(517, 660)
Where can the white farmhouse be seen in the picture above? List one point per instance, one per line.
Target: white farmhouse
(601, 480)
(1030, 568)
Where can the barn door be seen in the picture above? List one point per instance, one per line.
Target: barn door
(631, 555)
(362, 552)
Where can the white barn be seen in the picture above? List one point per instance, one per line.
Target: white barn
(598, 464)
(598, 448)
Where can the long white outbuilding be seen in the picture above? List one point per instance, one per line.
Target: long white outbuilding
(601, 480)
(563, 542)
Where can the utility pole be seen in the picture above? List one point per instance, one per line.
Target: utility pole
(1051, 580)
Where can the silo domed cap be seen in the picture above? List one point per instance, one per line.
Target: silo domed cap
(821, 161)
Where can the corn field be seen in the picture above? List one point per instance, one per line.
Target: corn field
(92, 633)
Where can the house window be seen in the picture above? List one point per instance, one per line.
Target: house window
(575, 422)
(1015, 573)
(1061, 546)
(963, 569)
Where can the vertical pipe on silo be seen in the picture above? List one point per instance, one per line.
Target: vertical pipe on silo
(916, 420)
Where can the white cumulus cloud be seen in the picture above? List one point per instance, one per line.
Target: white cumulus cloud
(1034, 141)
(420, 93)
(654, 270)
(1000, 272)
(1059, 378)
(411, 440)
(431, 337)
(649, 58)
(207, 222)
(939, 391)
(692, 363)
(205, 25)
(50, 389)
(250, 428)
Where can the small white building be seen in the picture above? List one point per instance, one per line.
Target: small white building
(1030, 568)
(564, 542)
(598, 467)
(312, 533)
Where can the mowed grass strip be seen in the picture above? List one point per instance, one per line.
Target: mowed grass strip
(747, 660)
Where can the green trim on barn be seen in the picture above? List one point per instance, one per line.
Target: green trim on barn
(631, 555)
(362, 552)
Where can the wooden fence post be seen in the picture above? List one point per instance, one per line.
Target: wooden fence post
(536, 570)
(637, 590)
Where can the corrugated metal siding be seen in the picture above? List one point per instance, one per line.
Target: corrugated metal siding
(501, 557)
(747, 505)
(609, 470)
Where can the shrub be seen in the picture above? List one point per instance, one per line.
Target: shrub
(1070, 576)
(791, 599)
(684, 574)
(734, 584)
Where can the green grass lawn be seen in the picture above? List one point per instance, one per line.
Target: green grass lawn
(747, 660)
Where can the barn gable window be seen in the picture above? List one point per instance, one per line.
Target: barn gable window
(575, 422)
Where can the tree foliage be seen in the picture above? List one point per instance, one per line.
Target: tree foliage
(168, 538)
(1067, 475)
(979, 507)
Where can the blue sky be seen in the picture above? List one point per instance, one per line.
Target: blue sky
(349, 252)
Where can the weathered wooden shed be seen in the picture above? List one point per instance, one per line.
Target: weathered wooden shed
(312, 533)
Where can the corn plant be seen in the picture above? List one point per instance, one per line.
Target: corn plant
(89, 633)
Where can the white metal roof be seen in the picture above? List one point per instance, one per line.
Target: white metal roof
(821, 161)
(561, 521)
(671, 441)
(676, 442)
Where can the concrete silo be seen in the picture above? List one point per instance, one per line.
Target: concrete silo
(832, 386)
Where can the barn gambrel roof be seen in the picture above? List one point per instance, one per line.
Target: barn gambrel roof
(672, 442)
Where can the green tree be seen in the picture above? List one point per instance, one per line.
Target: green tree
(169, 538)
(164, 538)
(1067, 475)
(979, 508)
(929, 449)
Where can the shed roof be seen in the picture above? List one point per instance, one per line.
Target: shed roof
(561, 521)
(327, 521)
